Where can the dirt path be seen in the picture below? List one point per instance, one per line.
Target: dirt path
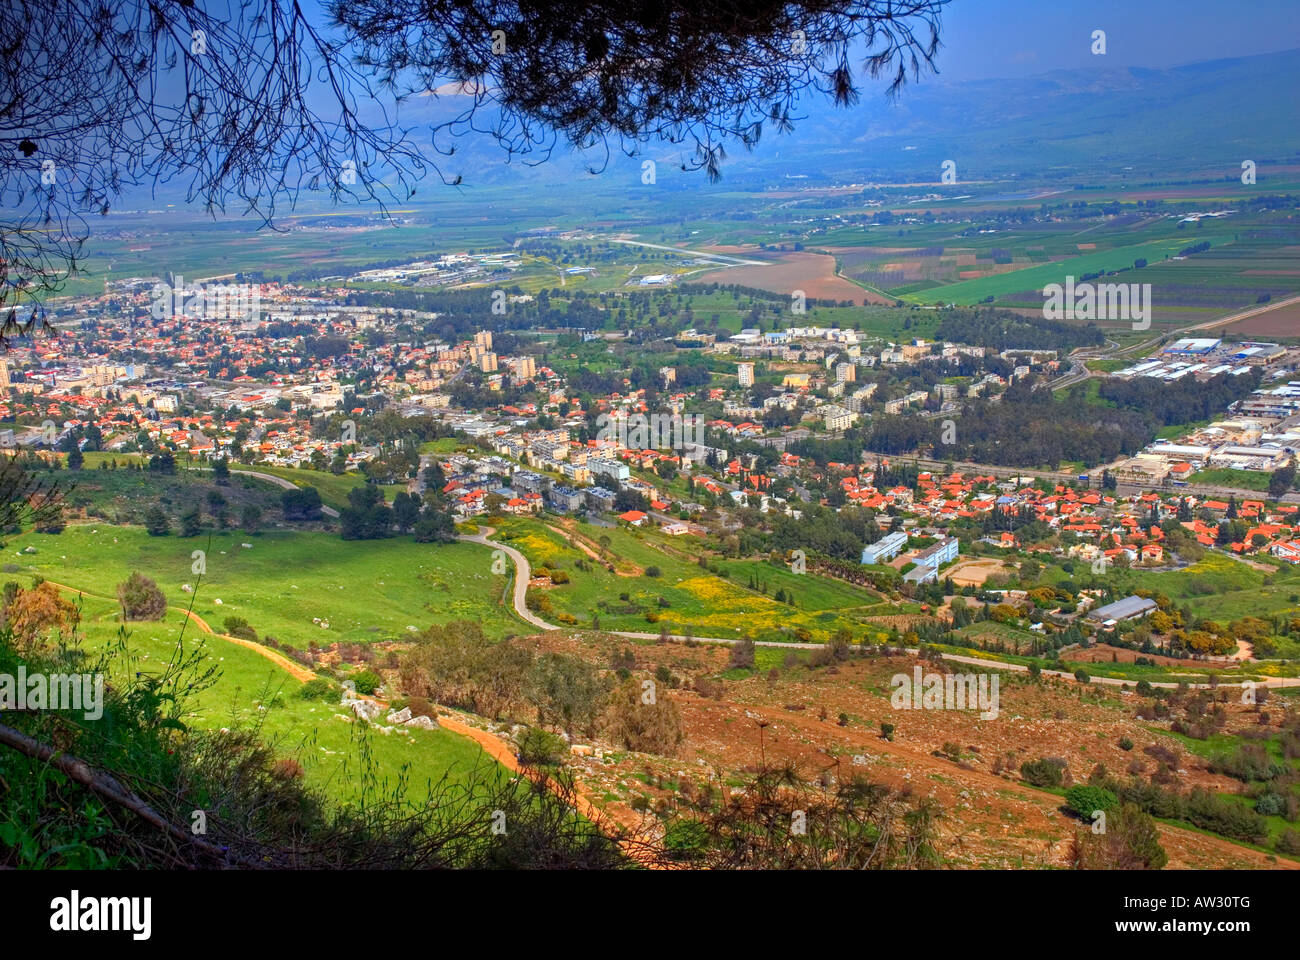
(297, 669)
(502, 753)
(498, 749)
(586, 546)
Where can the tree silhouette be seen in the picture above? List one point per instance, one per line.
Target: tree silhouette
(250, 102)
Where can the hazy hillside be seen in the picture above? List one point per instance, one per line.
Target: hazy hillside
(1147, 124)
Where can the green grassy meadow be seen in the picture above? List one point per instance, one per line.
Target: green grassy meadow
(248, 690)
(366, 590)
(686, 597)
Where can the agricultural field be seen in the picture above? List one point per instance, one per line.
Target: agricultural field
(1220, 588)
(1016, 640)
(1280, 324)
(813, 273)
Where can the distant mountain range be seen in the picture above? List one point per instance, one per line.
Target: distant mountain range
(1158, 122)
(1082, 123)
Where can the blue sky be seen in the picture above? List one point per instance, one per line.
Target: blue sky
(1016, 38)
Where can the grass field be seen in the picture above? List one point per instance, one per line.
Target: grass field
(1241, 479)
(685, 597)
(251, 691)
(367, 590)
(333, 487)
(1215, 586)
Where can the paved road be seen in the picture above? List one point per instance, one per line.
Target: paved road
(724, 259)
(523, 573)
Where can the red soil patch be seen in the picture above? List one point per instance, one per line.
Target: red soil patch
(1105, 653)
(1282, 322)
(813, 273)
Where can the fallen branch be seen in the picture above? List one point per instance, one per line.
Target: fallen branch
(107, 787)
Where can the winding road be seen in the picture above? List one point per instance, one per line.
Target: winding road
(523, 573)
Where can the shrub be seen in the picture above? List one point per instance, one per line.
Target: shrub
(887, 730)
(1270, 804)
(366, 681)
(653, 571)
(238, 627)
(1083, 800)
(140, 598)
(156, 523)
(742, 655)
(538, 747)
(1289, 842)
(645, 727)
(1131, 842)
(318, 688)
(1044, 772)
(30, 615)
(685, 839)
(1125, 743)
(1248, 762)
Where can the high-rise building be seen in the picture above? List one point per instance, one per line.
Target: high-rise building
(483, 339)
(488, 362)
(4, 375)
(745, 374)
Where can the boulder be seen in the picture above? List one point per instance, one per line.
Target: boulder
(399, 716)
(423, 723)
(365, 709)
(580, 750)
